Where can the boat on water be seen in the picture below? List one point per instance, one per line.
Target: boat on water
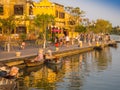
(8, 72)
(56, 67)
(38, 60)
(32, 63)
(98, 48)
(112, 45)
(53, 60)
(28, 70)
(7, 84)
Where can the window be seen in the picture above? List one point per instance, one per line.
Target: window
(20, 29)
(71, 22)
(12, 31)
(1, 9)
(61, 15)
(0, 30)
(56, 13)
(18, 9)
(30, 10)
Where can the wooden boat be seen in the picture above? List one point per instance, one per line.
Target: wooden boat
(30, 63)
(53, 60)
(56, 67)
(98, 48)
(28, 70)
(8, 72)
(113, 45)
(7, 84)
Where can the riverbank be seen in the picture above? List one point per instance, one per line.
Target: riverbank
(10, 57)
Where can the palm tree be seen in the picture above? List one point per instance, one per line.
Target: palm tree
(42, 21)
(8, 24)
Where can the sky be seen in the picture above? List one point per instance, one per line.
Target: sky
(96, 9)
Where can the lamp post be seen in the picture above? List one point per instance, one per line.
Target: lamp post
(44, 35)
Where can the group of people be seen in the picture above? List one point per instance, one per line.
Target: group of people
(8, 72)
(81, 39)
(23, 44)
(39, 57)
(42, 56)
(65, 40)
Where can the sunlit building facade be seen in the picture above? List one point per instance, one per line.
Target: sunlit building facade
(28, 9)
(18, 8)
(54, 9)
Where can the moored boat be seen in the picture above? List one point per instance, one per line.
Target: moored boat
(32, 63)
(56, 67)
(8, 72)
(53, 60)
(7, 84)
(98, 48)
(113, 45)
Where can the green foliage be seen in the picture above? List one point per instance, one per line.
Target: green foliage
(45, 19)
(23, 36)
(8, 24)
(103, 26)
(75, 15)
(42, 21)
(80, 28)
(115, 30)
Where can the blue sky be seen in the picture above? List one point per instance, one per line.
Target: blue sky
(96, 9)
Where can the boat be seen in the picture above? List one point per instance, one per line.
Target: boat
(53, 60)
(99, 48)
(32, 63)
(28, 70)
(113, 45)
(8, 72)
(56, 67)
(7, 84)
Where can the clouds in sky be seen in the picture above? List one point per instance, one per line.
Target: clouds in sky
(96, 9)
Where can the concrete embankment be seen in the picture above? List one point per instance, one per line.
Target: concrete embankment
(16, 60)
(73, 51)
(61, 53)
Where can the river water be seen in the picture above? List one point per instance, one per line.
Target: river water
(94, 70)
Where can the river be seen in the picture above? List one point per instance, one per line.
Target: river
(94, 70)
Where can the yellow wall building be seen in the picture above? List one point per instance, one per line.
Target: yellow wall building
(18, 8)
(50, 8)
(27, 8)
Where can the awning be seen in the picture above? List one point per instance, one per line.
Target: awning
(56, 30)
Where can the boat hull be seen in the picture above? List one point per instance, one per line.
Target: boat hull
(35, 63)
(54, 61)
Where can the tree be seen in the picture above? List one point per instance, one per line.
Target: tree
(103, 26)
(80, 28)
(42, 21)
(75, 17)
(8, 24)
(116, 30)
(76, 14)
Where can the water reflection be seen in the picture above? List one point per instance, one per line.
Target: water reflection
(103, 59)
(70, 75)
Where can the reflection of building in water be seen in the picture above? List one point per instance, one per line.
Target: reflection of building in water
(32, 79)
(80, 58)
(73, 74)
(67, 66)
(42, 78)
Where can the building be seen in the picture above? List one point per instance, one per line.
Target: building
(54, 9)
(18, 8)
(23, 9)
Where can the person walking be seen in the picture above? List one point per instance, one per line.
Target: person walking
(67, 41)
